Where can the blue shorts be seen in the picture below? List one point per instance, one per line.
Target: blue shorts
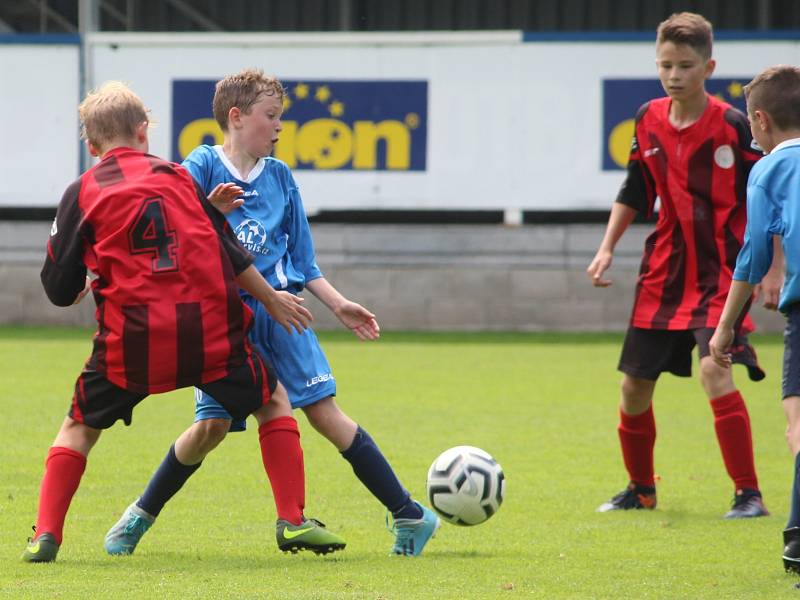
(298, 360)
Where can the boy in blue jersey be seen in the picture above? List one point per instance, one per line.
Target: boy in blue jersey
(773, 209)
(271, 223)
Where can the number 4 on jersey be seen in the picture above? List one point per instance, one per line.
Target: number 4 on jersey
(150, 234)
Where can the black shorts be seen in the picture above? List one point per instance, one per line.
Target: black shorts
(646, 353)
(98, 403)
(791, 352)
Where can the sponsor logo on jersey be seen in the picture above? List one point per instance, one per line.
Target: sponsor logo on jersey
(53, 228)
(250, 193)
(252, 235)
(623, 97)
(328, 125)
(319, 379)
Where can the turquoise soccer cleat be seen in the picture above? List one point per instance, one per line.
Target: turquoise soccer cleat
(126, 533)
(411, 535)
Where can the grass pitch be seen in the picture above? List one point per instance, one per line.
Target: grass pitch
(544, 405)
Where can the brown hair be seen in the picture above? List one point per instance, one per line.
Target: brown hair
(111, 112)
(242, 90)
(689, 29)
(776, 91)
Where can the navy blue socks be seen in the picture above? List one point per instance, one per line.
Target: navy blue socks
(165, 482)
(794, 515)
(374, 471)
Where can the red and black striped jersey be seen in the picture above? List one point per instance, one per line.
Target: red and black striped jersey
(168, 308)
(699, 174)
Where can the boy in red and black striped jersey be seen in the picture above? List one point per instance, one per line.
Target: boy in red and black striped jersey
(693, 152)
(169, 315)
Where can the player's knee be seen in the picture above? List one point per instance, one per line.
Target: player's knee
(209, 433)
(715, 379)
(636, 394)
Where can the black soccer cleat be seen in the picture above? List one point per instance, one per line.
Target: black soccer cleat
(747, 503)
(634, 496)
(41, 548)
(791, 550)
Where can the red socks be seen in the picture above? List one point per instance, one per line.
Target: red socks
(283, 462)
(637, 436)
(63, 471)
(732, 424)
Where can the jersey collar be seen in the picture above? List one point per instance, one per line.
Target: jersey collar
(254, 172)
(786, 144)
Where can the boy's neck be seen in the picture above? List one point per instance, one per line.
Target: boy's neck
(240, 159)
(778, 137)
(683, 113)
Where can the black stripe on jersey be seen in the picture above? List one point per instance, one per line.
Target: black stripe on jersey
(135, 345)
(97, 361)
(108, 172)
(63, 274)
(649, 246)
(158, 165)
(189, 322)
(672, 288)
(706, 254)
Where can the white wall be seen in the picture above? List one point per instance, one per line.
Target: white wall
(39, 93)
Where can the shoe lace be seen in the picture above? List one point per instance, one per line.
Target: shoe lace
(30, 539)
(403, 531)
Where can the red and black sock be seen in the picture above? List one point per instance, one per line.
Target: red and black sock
(64, 468)
(637, 436)
(732, 424)
(283, 462)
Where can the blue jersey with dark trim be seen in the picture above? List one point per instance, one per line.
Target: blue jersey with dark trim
(272, 223)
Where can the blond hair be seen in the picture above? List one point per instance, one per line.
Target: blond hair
(242, 90)
(776, 91)
(109, 113)
(689, 29)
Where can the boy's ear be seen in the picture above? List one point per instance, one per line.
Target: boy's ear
(234, 116)
(711, 64)
(141, 131)
(762, 119)
(93, 150)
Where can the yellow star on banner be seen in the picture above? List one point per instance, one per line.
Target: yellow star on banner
(735, 89)
(323, 93)
(287, 103)
(336, 108)
(301, 91)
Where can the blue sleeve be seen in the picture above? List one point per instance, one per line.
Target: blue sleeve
(763, 221)
(300, 244)
(199, 166)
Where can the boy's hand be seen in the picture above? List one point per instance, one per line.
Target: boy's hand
(770, 289)
(86, 289)
(225, 197)
(358, 320)
(288, 310)
(719, 346)
(598, 266)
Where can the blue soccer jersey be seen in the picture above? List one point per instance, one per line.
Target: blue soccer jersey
(272, 225)
(773, 208)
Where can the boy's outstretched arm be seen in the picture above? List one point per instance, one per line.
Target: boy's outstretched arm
(770, 286)
(621, 217)
(353, 316)
(720, 343)
(285, 308)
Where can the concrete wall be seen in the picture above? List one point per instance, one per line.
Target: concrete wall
(480, 277)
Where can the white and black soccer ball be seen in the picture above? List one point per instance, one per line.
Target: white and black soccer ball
(466, 485)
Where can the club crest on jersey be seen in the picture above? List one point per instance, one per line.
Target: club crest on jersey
(723, 156)
(253, 236)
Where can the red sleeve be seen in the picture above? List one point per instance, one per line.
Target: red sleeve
(638, 189)
(64, 272)
(240, 258)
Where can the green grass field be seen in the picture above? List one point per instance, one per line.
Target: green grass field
(544, 405)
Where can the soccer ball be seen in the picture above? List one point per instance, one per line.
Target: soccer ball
(465, 485)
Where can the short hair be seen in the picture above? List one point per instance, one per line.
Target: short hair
(242, 90)
(776, 91)
(689, 29)
(111, 112)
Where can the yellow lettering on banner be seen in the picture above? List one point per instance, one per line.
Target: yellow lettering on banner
(396, 137)
(286, 148)
(619, 142)
(325, 143)
(193, 134)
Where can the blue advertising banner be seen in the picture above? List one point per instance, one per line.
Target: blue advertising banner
(327, 125)
(623, 97)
